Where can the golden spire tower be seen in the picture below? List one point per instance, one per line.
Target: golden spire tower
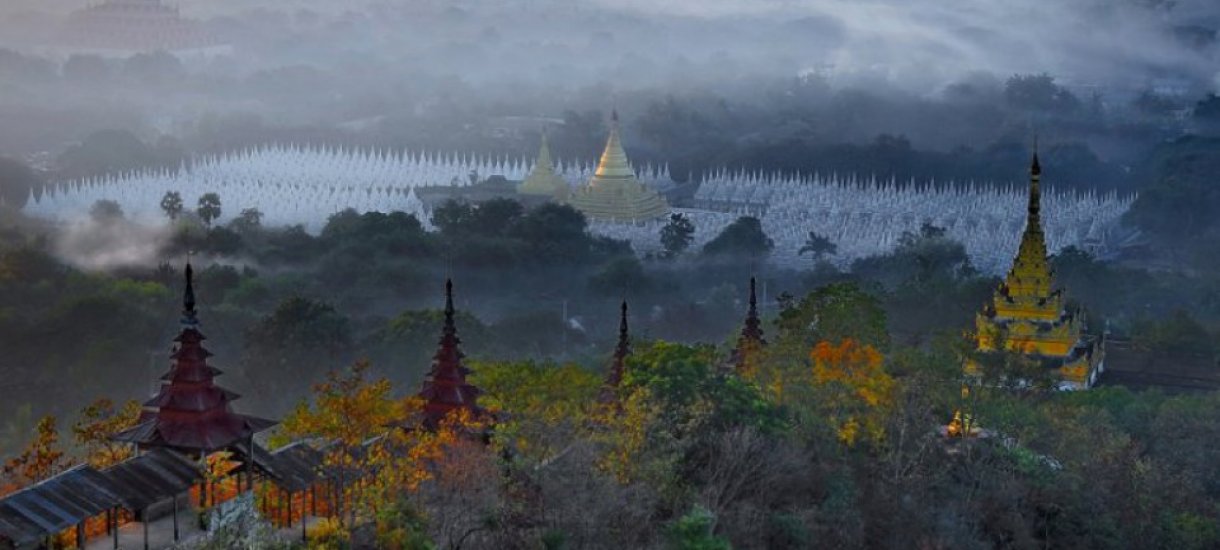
(1027, 314)
(543, 181)
(614, 193)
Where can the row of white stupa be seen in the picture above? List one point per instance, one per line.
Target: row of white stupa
(293, 185)
(305, 185)
(867, 219)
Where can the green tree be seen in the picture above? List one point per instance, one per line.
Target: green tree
(249, 221)
(209, 208)
(105, 211)
(554, 233)
(296, 344)
(817, 246)
(694, 532)
(677, 234)
(621, 277)
(833, 313)
(172, 205)
(744, 237)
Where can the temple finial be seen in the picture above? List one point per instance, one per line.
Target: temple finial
(1035, 169)
(622, 349)
(188, 295)
(448, 301)
(753, 299)
(1035, 187)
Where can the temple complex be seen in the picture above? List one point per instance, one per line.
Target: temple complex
(614, 193)
(745, 355)
(542, 180)
(1029, 316)
(135, 26)
(191, 414)
(445, 389)
(618, 363)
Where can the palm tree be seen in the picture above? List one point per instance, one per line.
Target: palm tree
(818, 246)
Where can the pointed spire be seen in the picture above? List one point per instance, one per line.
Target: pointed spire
(614, 161)
(450, 327)
(751, 340)
(623, 349)
(189, 315)
(1035, 188)
(618, 363)
(190, 413)
(445, 389)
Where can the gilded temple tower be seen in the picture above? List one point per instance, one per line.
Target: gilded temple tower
(614, 193)
(1028, 315)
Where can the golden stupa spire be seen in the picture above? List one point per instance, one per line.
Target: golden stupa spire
(1031, 273)
(614, 163)
(543, 180)
(614, 193)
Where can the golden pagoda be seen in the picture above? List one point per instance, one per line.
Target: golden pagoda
(1028, 315)
(614, 193)
(543, 181)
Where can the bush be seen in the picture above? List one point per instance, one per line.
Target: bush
(329, 534)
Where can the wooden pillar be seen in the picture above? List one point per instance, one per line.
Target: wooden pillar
(250, 463)
(114, 514)
(176, 517)
(144, 523)
(80, 535)
(304, 517)
(313, 499)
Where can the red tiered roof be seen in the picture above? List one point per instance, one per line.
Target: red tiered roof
(445, 389)
(191, 413)
(618, 364)
(751, 339)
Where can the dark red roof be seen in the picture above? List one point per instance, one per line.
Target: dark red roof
(751, 338)
(190, 412)
(618, 363)
(445, 389)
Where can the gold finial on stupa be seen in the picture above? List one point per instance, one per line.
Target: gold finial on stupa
(614, 193)
(543, 180)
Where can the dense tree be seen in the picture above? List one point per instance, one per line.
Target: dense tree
(744, 238)
(817, 246)
(832, 314)
(302, 337)
(677, 235)
(621, 277)
(172, 205)
(248, 221)
(208, 208)
(105, 212)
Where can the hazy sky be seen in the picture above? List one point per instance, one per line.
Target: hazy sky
(1080, 40)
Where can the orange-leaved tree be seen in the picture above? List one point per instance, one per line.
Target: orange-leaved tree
(41, 458)
(97, 423)
(856, 388)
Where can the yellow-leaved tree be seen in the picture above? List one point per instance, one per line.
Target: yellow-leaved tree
(543, 404)
(346, 416)
(97, 423)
